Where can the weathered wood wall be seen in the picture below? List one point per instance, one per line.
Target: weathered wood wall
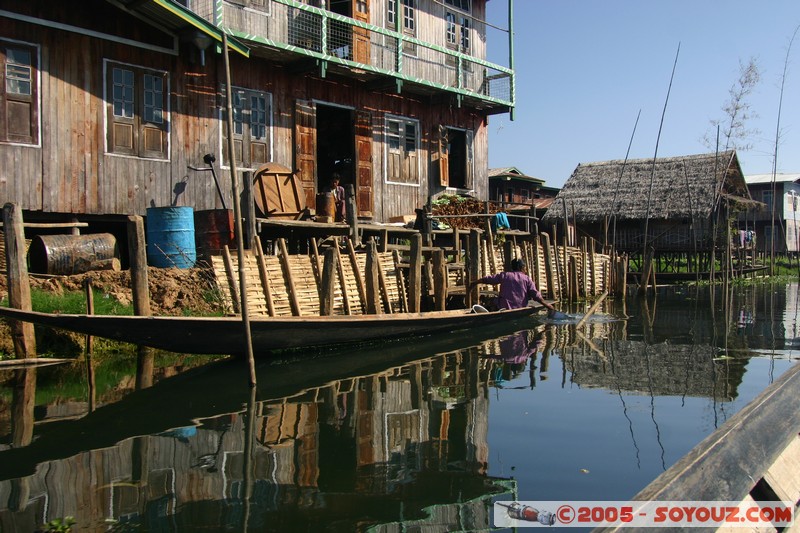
(70, 171)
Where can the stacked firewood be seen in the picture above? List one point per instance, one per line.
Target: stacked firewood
(460, 205)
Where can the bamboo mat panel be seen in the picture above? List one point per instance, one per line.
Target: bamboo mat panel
(386, 264)
(305, 284)
(3, 250)
(350, 287)
(256, 301)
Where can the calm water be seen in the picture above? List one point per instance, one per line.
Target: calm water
(410, 436)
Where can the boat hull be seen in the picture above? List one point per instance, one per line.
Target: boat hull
(225, 335)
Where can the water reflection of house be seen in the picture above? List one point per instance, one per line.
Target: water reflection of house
(382, 446)
(659, 369)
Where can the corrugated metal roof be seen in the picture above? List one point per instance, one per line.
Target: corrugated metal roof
(767, 178)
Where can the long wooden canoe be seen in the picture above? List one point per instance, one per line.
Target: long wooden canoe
(225, 335)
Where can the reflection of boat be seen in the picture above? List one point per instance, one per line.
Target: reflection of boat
(222, 335)
(181, 400)
(356, 439)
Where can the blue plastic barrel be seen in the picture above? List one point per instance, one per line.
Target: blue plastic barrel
(170, 237)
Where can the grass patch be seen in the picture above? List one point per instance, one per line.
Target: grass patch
(74, 302)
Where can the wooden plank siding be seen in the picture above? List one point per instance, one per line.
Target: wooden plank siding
(70, 172)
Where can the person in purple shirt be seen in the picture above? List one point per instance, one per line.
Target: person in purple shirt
(516, 288)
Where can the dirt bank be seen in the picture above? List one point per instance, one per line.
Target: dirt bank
(173, 291)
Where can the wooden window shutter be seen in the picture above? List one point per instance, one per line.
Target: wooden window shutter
(19, 94)
(153, 115)
(444, 159)
(123, 131)
(364, 174)
(305, 147)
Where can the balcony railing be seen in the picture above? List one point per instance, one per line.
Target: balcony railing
(298, 28)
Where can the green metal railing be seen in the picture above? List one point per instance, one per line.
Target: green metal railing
(298, 28)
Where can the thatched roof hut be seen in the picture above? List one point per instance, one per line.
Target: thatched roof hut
(685, 189)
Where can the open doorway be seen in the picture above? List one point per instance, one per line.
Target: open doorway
(455, 158)
(335, 145)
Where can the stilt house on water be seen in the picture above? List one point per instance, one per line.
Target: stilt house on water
(680, 201)
(107, 104)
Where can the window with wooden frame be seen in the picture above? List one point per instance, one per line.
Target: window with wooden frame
(19, 93)
(137, 111)
(464, 5)
(252, 128)
(391, 14)
(457, 32)
(402, 151)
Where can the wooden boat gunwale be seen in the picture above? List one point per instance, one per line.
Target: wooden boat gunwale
(224, 335)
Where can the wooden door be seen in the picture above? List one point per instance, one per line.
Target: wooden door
(363, 167)
(305, 147)
(361, 40)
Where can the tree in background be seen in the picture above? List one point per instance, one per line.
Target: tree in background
(733, 128)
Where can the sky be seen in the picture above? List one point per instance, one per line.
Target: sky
(585, 69)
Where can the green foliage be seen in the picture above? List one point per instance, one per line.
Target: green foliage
(63, 525)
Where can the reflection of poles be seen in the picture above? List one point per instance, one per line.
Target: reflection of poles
(144, 367)
(653, 407)
(23, 398)
(624, 405)
(249, 445)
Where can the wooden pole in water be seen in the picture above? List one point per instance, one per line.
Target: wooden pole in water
(19, 287)
(645, 276)
(237, 214)
(592, 309)
(137, 252)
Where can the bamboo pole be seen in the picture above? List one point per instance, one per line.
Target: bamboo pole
(264, 274)
(591, 310)
(237, 214)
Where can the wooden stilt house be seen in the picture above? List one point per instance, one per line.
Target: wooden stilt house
(674, 205)
(105, 105)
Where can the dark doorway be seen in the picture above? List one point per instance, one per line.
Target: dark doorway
(457, 160)
(335, 145)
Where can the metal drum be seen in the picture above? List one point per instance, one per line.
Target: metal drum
(71, 254)
(170, 237)
(213, 230)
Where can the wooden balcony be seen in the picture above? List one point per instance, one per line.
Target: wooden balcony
(306, 37)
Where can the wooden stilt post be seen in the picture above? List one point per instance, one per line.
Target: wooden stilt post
(548, 265)
(137, 252)
(87, 289)
(352, 213)
(439, 280)
(19, 288)
(373, 284)
(415, 274)
(328, 286)
(473, 267)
